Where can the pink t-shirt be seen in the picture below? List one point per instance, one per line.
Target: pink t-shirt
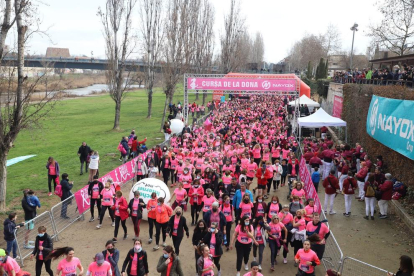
(275, 229)
(41, 251)
(302, 224)
(242, 237)
(176, 222)
(259, 236)
(273, 209)
(304, 257)
(135, 205)
(213, 245)
(322, 232)
(103, 270)
(207, 263)
(300, 194)
(208, 201)
(287, 219)
(260, 210)
(107, 196)
(186, 180)
(250, 274)
(95, 191)
(180, 194)
(251, 168)
(68, 268)
(246, 209)
(134, 266)
(227, 212)
(256, 153)
(10, 265)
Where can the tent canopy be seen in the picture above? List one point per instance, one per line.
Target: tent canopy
(305, 100)
(319, 119)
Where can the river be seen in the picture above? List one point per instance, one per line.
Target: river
(93, 88)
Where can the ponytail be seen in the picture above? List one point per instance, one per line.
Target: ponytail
(58, 252)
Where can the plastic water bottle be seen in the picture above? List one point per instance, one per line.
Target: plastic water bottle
(225, 239)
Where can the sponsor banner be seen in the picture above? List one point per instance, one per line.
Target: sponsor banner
(217, 95)
(310, 190)
(391, 122)
(233, 84)
(120, 176)
(337, 106)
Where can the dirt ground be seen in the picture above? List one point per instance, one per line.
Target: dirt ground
(378, 242)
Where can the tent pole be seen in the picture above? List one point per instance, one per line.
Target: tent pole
(346, 134)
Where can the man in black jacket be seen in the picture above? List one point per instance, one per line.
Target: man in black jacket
(42, 250)
(29, 215)
(10, 227)
(94, 192)
(83, 152)
(66, 193)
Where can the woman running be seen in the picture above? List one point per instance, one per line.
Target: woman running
(275, 239)
(68, 265)
(136, 261)
(176, 226)
(196, 194)
(121, 214)
(205, 263)
(163, 213)
(180, 195)
(307, 260)
(213, 239)
(107, 195)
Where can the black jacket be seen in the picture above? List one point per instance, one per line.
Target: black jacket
(9, 226)
(90, 187)
(29, 211)
(182, 225)
(113, 260)
(84, 151)
(264, 204)
(231, 191)
(219, 241)
(47, 246)
(140, 207)
(198, 236)
(222, 223)
(66, 187)
(152, 156)
(142, 266)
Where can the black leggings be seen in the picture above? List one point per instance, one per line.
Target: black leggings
(103, 211)
(283, 180)
(139, 177)
(217, 262)
(296, 246)
(151, 223)
(243, 252)
(166, 175)
(269, 184)
(158, 228)
(39, 264)
(276, 184)
(49, 182)
(176, 242)
(173, 176)
(195, 209)
(228, 230)
(98, 205)
(117, 220)
(319, 249)
(136, 223)
(257, 161)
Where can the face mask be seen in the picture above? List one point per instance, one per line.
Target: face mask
(227, 201)
(166, 256)
(296, 202)
(260, 200)
(246, 201)
(173, 158)
(41, 234)
(299, 217)
(198, 177)
(201, 227)
(140, 161)
(195, 186)
(214, 209)
(111, 250)
(137, 248)
(185, 172)
(285, 212)
(1, 259)
(246, 223)
(274, 202)
(178, 213)
(159, 203)
(261, 223)
(212, 230)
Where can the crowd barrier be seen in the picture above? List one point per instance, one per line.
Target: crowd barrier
(60, 217)
(344, 80)
(351, 267)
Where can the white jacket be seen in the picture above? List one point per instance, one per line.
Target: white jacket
(277, 171)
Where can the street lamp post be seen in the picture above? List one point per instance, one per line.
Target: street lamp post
(353, 29)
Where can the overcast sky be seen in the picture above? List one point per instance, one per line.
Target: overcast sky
(75, 25)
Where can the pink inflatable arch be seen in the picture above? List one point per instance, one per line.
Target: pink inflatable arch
(304, 88)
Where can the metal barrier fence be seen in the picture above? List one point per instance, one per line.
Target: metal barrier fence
(64, 214)
(26, 235)
(401, 82)
(333, 256)
(352, 267)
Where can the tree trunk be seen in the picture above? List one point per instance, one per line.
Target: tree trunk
(197, 96)
(165, 111)
(204, 98)
(3, 180)
(149, 103)
(117, 114)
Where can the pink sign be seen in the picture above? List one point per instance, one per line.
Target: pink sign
(310, 190)
(236, 84)
(337, 106)
(120, 176)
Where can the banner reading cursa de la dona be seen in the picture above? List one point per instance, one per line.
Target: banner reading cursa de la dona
(391, 122)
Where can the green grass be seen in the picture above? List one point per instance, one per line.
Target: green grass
(72, 121)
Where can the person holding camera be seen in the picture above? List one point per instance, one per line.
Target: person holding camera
(9, 228)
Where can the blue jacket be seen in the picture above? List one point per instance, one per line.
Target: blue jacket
(238, 198)
(316, 177)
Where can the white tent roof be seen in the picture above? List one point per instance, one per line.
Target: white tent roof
(305, 100)
(319, 119)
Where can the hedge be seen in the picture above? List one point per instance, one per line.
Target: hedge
(357, 99)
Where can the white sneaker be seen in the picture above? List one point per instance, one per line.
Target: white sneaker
(98, 226)
(285, 261)
(238, 274)
(260, 268)
(113, 224)
(219, 273)
(156, 247)
(332, 212)
(164, 244)
(246, 267)
(149, 241)
(254, 259)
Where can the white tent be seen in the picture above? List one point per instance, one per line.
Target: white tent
(319, 119)
(305, 100)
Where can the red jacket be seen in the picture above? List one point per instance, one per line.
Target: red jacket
(386, 190)
(349, 186)
(331, 184)
(263, 181)
(123, 208)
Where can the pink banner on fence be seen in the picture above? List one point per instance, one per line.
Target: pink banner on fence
(310, 190)
(337, 106)
(120, 176)
(233, 84)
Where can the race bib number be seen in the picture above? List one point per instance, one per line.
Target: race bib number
(272, 213)
(107, 200)
(134, 212)
(206, 207)
(304, 268)
(244, 239)
(247, 214)
(259, 238)
(226, 214)
(183, 202)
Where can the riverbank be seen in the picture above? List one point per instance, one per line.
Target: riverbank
(69, 81)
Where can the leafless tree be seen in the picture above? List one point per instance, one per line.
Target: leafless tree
(258, 50)
(16, 110)
(234, 29)
(395, 32)
(203, 35)
(331, 40)
(309, 48)
(152, 21)
(178, 47)
(116, 22)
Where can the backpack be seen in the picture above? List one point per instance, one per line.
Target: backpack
(121, 148)
(400, 188)
(370, 191)
(58, 189)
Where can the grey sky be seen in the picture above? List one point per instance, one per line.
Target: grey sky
(75, 25)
